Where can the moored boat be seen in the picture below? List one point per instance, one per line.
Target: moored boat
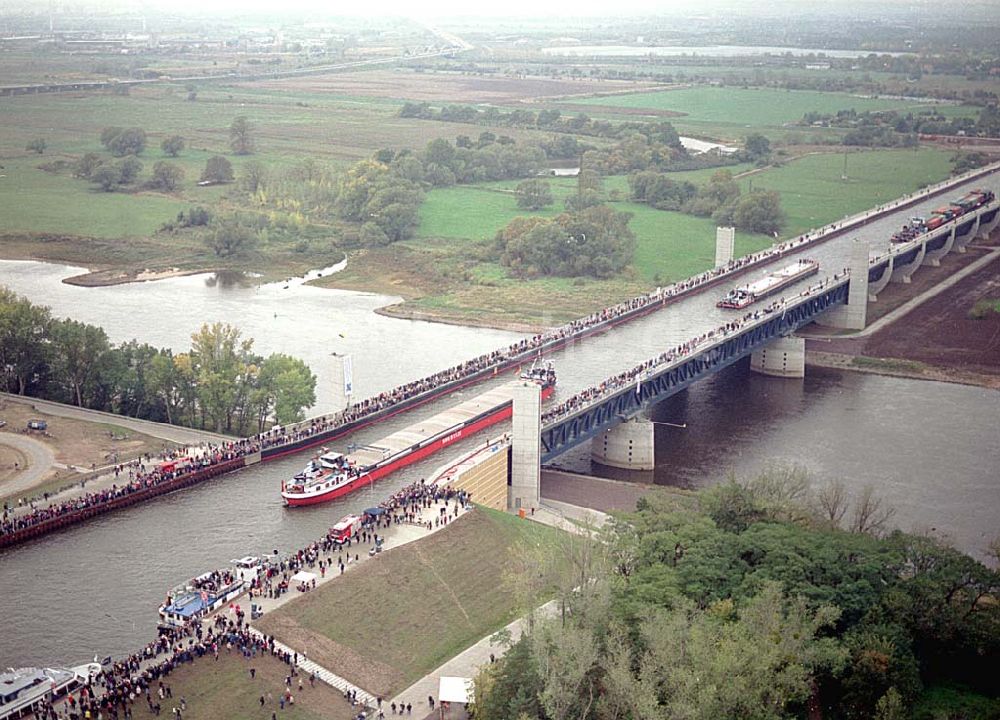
(26, 690)
(202, 595)
(332, 475)
(750, 293)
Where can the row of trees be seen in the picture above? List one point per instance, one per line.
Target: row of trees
(219, 384)
(132, 141)
(748, 601)
(721, 199)
(165, 177)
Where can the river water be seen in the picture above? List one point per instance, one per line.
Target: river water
(929, 448)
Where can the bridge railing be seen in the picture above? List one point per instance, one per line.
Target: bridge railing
(682, 353)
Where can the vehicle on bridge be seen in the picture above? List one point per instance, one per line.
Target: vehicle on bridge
(967, 203)
(332, 475)
(773, 282)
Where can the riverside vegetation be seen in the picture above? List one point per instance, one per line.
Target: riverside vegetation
(763, 598)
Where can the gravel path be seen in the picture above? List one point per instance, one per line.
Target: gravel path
(40, 460)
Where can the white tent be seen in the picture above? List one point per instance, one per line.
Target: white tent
(454, 689)
(303, 577)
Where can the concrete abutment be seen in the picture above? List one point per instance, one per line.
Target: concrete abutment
(783, 357)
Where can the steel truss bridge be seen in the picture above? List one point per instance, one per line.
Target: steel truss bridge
(581, 425)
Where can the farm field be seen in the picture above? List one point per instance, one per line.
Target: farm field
(747, 106)
(813, 193)
(444, 593)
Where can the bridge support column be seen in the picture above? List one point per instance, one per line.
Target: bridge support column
(783, 357)
(903, 273)
(985, 229)
(628, 445)
(725, 239)
(526, 447)
(933, 257)
(854, 314)
(874, 288)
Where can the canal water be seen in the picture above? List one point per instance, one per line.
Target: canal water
(929, 448)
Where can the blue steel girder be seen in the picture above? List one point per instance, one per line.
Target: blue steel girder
(572, 430)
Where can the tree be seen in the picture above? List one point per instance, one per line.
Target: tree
(172, 146)
(78, 349)
(533, 194)
(253, 177)
(107, 177)
(286, 387)
(229, 237)
(24, 346)
(37, 145)
(757, 146)
(128, 170)
(218, 170)
(124, 141)
(86, 165)
(224, 366)
(166, 176)
(759, 212)
(241, 139)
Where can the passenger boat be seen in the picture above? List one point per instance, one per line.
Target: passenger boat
(778, 280)
(332, 475)
(25, 690)
(202, 595)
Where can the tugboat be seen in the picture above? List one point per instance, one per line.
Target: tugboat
(332, 474)
(740, 297)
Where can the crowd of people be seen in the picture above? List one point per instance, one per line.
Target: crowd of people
(649, 368)
(141, 677)
(11, 522)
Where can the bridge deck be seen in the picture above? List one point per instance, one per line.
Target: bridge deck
(428, 428)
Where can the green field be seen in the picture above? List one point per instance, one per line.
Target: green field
(418, 605)
(813, 193)
(747, 106)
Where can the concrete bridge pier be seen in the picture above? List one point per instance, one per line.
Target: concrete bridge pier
(725, 239)
(854, 315)
(903, 273)
(963, 239)
(526, 447)
(985, 229)
(783, 357)
(877, 286)
(628, 445)
(933, 257)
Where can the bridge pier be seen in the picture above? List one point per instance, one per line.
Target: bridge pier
(933, 257)
(903, 273)
(783, 357)
(985, 229)
(874, 288)
(854, 315)
(526, 449)
(963, 239)
(725, 238)
(628, 445)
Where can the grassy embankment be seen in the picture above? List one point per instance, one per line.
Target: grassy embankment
(448, 269)
(224, 690)
(388, 623)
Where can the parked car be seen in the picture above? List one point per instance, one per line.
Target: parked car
(2, 423)
(37, 425)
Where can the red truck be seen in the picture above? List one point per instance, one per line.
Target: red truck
(346, 528)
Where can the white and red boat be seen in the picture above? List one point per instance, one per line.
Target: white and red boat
(773, 282)
(332, 474)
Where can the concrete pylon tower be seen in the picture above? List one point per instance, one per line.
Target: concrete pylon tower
(526, 446)
(853, 315)
(725, 240)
